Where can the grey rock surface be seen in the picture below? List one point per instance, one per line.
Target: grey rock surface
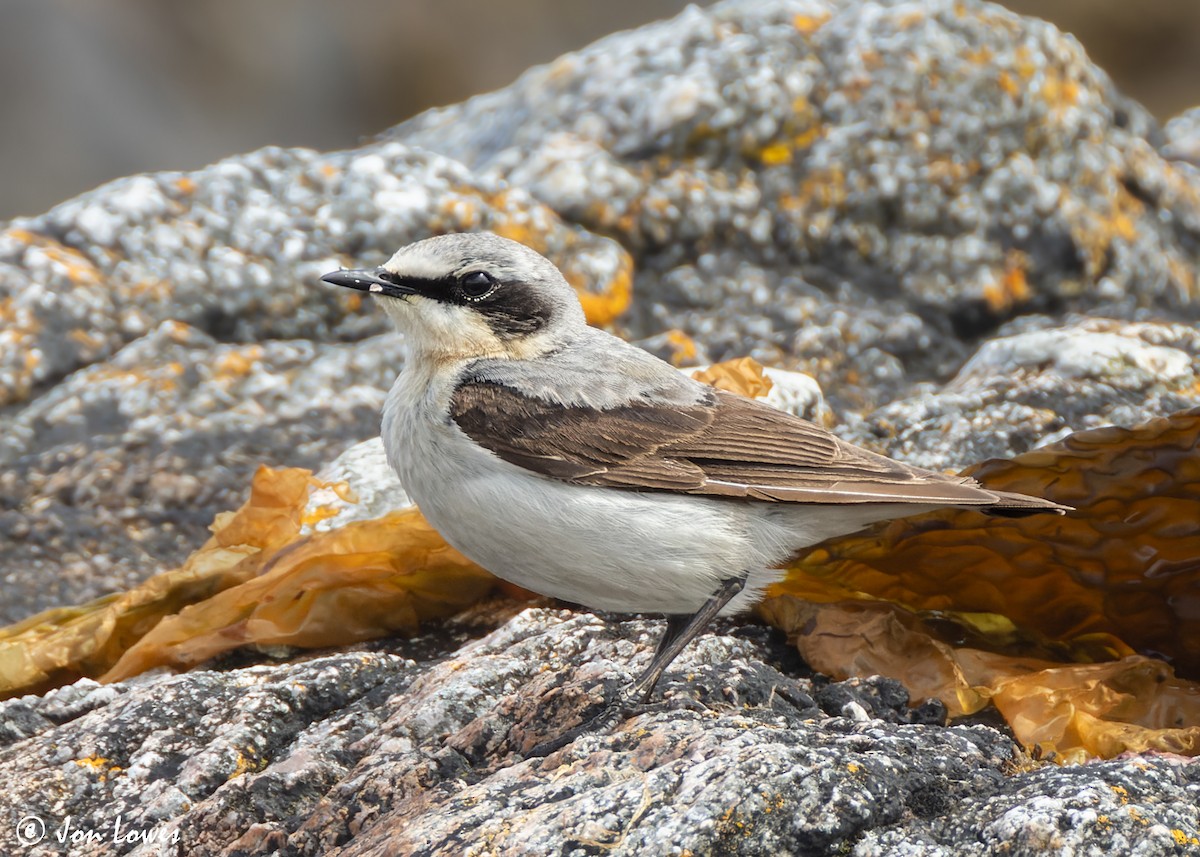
(1034, 383)
(116, 472)
(1183, 137)
(420, 750)
(861, 191)
(927, 171)
(237, 249)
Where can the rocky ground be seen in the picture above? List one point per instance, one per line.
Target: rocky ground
(944, 213)
(417, 748)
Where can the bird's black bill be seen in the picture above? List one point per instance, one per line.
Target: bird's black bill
(379, 282)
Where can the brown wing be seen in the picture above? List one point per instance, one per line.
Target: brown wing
(725, 445)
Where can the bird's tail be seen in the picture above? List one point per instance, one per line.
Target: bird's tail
(1010, 505)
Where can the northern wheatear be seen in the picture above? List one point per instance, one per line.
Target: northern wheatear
(576, 465)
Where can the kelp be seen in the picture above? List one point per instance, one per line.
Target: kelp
(258, 580)
(1075, 627)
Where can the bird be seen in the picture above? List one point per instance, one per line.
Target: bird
(574, 464)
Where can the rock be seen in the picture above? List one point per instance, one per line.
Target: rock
(117, 471)
(832, 168)
(1057, 810)
(375, 488)
(779, 191)
(237, 250)
(378, 752)
(1034, 384)
(1183, 137)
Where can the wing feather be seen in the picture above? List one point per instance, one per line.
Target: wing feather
(724, 445)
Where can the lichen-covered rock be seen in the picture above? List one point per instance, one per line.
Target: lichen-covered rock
(237, 250)
(117, 472)
(1034, 384)
(372, 753)
(950, 164)
(851, 189)
(1096, 809)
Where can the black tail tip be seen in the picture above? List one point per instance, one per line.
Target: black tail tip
(1022, 505)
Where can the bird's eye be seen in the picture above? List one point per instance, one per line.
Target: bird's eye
(476, 284)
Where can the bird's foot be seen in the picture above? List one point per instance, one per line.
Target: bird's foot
(625, 706)
(620, 709)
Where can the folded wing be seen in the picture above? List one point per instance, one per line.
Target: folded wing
(724, 445)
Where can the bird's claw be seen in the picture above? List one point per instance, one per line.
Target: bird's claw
(621, 709)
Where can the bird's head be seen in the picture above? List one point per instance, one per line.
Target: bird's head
(471, 295)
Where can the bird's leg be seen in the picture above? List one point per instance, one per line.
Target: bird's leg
(680, 631)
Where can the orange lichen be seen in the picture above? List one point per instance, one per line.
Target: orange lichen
(1060, 92)
(89, 341)
(185, 185)
(352, 300)
(809, 24)
(1183, 277)
(24, 236)
(1012, 288)
(519, 230)
(239, 361)
(872, 60)
(144, 291)
(1182, 837)
(979, 56)
(822, 189)
(807, 137)
(458, 213)
(99, 765)
(947, 172)
(775, 154)
(1095, 231)
(1023, 64)
(1006, 82)
(77, 267)
(683, 347)
(604, 306)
